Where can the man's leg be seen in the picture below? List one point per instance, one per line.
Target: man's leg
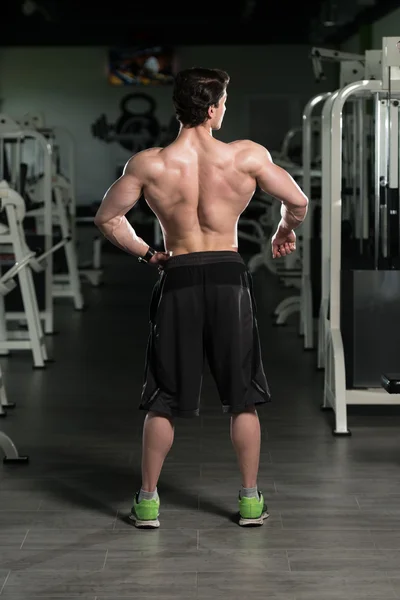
(158, 436)
(173, 376)
(246, 440)
(232, 345)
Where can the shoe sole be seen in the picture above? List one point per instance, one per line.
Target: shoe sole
(253, 522)
(144, 524)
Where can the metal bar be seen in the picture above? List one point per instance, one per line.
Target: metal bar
(377, 175)
(326, 197)
(306, 184)
(336, 192)
(393, 179)
(361, 169)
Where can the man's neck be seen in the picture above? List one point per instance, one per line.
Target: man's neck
(199, 132)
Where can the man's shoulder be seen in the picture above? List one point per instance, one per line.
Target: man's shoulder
(247, 145)
(147, 154)
(249, 152)
(142, 159)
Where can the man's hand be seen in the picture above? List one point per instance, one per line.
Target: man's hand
(159, 259)
(283, 243)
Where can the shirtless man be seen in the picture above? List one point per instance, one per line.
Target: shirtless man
(202, 303)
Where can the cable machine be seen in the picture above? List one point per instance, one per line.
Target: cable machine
(362, 335)
(351, 69)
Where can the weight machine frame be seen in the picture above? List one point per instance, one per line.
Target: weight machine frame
(372, 67)
(336, 395)
(320, 55)
(11, 131)
(92, 272)
(10, 450)
(349, 67)
(26, 260)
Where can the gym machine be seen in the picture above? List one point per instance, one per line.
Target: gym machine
(68, 216)
(285, 154)
(292, 272)
(352, 68)
(363, 291)
(66, 284)
(7, 283)
(10, 450)
(352, 62)
(298, 266)
(15, 134)
(12, 237)
(286, 268)
(311, 243)
(354, 231)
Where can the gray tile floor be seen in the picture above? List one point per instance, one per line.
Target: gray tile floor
(334, 529)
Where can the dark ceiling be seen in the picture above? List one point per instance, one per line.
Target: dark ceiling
(126, 23)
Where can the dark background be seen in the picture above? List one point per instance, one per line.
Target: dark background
(74, 22)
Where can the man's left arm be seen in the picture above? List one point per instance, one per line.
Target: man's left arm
(118, 200)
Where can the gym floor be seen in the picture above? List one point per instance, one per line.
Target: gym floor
(334, 529)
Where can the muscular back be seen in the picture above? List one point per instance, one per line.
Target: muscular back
(197, 187)
(198, 190)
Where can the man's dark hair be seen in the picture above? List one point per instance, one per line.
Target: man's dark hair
(195, 90)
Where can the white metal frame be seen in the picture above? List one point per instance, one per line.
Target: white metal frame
(64, 210)
(306, 304)
(10, 450)
(13, 236)
(66, 284)
(336, 395)
(4, 403)
(7, 283)
(351, 66)
(11, 130)
(325, 230)
(319, 55)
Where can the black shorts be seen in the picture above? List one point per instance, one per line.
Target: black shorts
(201, 306)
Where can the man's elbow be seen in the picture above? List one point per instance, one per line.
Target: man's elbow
(299, 208)
(100, 221)
(304, 206)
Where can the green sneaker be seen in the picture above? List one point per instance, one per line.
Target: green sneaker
(252, 511)
(145, 513)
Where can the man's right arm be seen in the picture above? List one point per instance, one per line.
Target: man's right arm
(277, 182)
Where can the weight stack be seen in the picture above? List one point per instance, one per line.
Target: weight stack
(370, 325)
